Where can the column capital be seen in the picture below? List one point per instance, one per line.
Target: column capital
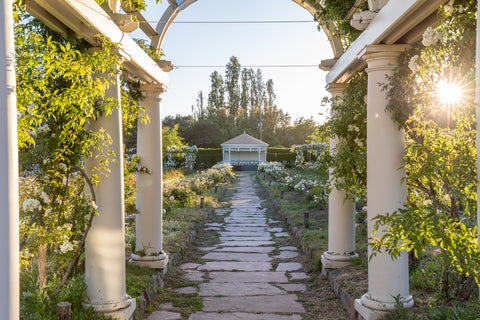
(336, 89)
(153, 91)
(381, 57)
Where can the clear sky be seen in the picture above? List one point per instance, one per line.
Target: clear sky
(299, 90)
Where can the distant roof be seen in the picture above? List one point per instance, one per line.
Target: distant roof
(245, 139)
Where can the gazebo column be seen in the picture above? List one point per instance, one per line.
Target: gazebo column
(105, 243)
(149, 198)
(386, 189)
(9, 238)
(341, 214)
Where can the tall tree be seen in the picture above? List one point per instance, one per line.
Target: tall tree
(232, 87)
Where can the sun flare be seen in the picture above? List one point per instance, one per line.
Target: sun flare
(449, 92)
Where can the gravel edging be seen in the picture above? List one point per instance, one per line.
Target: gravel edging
(347, 300)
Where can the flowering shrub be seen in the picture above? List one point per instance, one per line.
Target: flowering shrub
(181, 192)
(189, 154)
(315, 149)
(314, 189)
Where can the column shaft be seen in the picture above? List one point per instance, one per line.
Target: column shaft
(9, 238)
(341, 214)
(105, 243)
(386, 192)
(149, 197)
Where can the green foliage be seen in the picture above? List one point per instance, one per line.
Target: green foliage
(41, 303)
(332, 16)
(440, 153)
(469, 311)
(348, 124)
(208, 157)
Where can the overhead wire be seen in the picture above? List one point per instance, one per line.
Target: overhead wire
(240, 22)
(251, 66)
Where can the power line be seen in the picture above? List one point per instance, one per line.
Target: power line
(240, 22)
(252, 66)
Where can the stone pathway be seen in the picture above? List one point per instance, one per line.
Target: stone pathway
(247, 274)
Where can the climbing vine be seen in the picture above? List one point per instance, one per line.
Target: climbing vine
(440, 150)
(347, 123)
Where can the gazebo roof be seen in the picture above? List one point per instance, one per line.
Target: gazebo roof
(244, 139)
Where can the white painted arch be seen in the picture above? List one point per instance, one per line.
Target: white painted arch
(177, 6)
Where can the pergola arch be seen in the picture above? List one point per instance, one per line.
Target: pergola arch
(177, 6)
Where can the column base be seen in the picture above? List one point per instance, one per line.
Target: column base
(153, 262)
(331, 260)
(370, 309)
(122, 310)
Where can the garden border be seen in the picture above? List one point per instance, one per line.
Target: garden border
(348, 302)
(157, 280)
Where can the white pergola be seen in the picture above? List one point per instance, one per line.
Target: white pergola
(391, 27)
(244, 150)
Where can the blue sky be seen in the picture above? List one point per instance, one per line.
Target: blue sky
(299, 90)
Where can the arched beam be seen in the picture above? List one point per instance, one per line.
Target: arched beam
(177, 6)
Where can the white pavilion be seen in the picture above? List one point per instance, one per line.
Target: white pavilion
(244, 150)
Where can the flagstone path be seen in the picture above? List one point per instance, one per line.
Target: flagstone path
(248, 273)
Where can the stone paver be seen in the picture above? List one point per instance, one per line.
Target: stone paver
(193, 275)
(287, 255)
(289, 266)
(298, 276)
(291, 287)
(229, 256)
(248, 277)
(238, 289)
(288, 249)
(242, 266)
(241, 316)
(279, 303)
(165, 315)
(267, 238)
(252, 243)
(237, 281)
(246, 249)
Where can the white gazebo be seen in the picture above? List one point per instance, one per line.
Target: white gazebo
(244, 150)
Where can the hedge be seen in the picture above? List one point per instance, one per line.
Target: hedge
(207, 157)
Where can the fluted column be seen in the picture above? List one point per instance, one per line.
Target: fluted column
(386, 188)
(341, 213)
(149, 196)
(9, 238)
(105, 243)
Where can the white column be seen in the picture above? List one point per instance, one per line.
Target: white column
(259, 155)
(9, 238)
(229, 155)
(341, 214)
(105, 243)
(149, 195)
(386, 190)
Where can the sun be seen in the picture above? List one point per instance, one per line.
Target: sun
(449, 92)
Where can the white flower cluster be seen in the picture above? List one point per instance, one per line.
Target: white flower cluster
(413, 63)
(310, 187)
(31, 204)
(62, 167)
(449, 7)
(352, 128)
(430, 37)
(42, 195)
(189, 158)
(358, 142)
(314, 148)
